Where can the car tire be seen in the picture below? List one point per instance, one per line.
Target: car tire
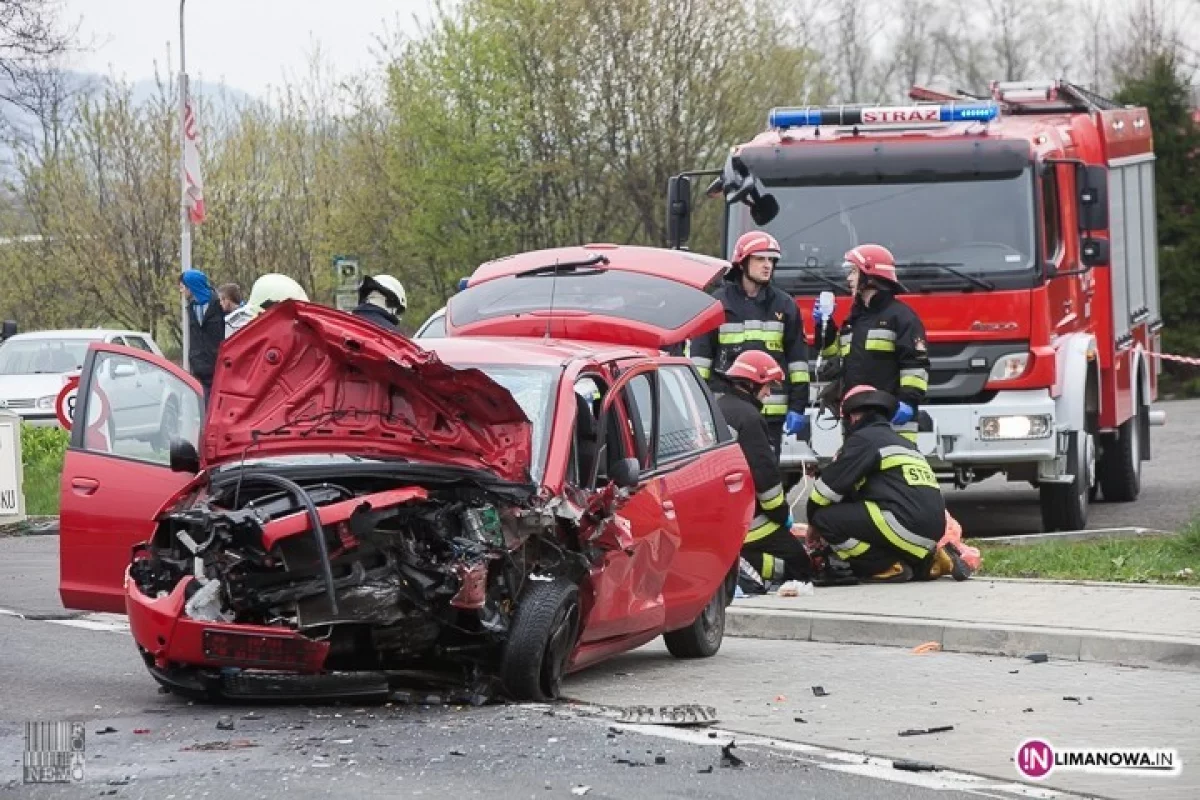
(1065, 505)
(701, 639)
(540, 641)
(1121, 462)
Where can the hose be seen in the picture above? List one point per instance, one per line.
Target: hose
(314, 521)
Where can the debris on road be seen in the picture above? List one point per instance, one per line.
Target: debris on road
(915, 766)
(660, 760)
(252, 715)
(728, 759)
(231, 744)
(924, 731)
(141, 730)
(800, 719)
(706, 771)
(106, 729)
(1038, 658)
(580, 791)
(928, 647)
(687, 715)
(796, 589)
(225, 723)
(1070, 698)
(819, 691)
(1027, 711)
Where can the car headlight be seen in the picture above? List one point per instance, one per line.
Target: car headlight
(46, 403)
(1009, 367)
(1017, 426)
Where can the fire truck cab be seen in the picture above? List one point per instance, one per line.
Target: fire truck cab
(1023, 225)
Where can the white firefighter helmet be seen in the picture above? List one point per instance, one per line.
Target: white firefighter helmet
(392, 291)
(274, 288)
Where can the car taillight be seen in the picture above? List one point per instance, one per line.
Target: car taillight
(264, 650)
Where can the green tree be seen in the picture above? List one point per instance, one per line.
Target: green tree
(1164, 88)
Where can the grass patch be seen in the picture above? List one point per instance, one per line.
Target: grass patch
(1161, 559)
(42, 452)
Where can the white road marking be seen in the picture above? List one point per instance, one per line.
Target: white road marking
(847, 762)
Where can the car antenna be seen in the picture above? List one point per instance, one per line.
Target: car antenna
(553, 286)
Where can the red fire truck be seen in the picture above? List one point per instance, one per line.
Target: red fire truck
(1024, 228)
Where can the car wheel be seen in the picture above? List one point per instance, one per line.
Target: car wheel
(168, 427)
(1121, 461)
(703, 637)
(540, 642)
(1065, 505)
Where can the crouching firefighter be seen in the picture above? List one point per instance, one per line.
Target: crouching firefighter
(760, 317)
(878, 504)
(882, 342)
(770, 551)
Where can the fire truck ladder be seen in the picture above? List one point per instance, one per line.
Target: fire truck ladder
(1044, 97)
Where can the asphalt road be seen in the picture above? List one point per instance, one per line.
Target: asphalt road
(1168, 499)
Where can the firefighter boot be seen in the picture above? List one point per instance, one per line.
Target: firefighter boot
(896, 573)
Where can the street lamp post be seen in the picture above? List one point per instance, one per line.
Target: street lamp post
(185, 239)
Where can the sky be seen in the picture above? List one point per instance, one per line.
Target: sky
(249, 44)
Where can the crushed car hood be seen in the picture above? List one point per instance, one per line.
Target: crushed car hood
(304, 378)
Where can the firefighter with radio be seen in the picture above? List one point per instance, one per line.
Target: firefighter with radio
(878, 504)
(882, 343)
(759, 317)
(771, 549)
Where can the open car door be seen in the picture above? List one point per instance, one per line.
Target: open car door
(637, 296)
(116, 474)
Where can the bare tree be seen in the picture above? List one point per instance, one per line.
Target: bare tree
(31, 37)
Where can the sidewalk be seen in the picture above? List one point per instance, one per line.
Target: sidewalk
(1150, 626)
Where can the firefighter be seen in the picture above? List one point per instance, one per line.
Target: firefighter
(882, 342)
(771, 548)
(759, 318)
(878, 504)
(268, 290)
(382, 300)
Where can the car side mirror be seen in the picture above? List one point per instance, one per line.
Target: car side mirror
(124, 370)
(8, 329)
(184, 457)
(626, 473)
(679, 211)
(1092, 182)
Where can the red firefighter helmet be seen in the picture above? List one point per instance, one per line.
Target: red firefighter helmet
(755, 243)
(863, 397)
(755, 366)
(874, 261)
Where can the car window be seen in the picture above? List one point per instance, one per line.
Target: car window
(139, 343)
(685, 418)
(434, 327)
(533, 388)
(130, 417)
(42, 356)
(639, 398)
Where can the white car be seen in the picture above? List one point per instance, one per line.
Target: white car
(35, 366)
(434, 327)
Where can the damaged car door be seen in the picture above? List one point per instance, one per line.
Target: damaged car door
(113, 483)
(639, 533)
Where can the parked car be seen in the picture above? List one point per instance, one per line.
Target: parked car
(434, 327)
(485, 513)
(35, 366)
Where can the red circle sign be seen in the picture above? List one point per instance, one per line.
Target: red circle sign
(64, 404)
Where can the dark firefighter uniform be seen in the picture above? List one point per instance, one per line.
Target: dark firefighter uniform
(769, 322)
(882, 344)
(769, 546)
(879, 502)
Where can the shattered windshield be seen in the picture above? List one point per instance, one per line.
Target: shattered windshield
(533, 389)
(983, 227)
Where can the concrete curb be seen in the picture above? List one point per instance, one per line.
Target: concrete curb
(1070, 644)
(1073, 536)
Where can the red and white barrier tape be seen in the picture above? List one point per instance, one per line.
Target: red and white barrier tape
(1195, 362)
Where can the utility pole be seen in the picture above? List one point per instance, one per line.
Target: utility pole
(185, 238)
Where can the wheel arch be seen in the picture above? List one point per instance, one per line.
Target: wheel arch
(1078, 364)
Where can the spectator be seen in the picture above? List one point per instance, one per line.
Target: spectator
(230, 295)
(206, 325)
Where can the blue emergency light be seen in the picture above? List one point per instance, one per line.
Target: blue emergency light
(881, 116)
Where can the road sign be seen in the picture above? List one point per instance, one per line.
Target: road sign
(347, 300)
(346, 272)
(64, 404)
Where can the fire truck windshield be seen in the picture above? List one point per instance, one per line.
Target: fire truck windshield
(981, 227)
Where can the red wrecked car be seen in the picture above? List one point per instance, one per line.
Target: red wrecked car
(485, 513)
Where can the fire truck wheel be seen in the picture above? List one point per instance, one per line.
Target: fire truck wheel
(1121, 461)
(1065, 505)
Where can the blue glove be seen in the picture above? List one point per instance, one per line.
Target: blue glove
(817, 314)
(904, 414)
(790, 522)
(795, 423)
